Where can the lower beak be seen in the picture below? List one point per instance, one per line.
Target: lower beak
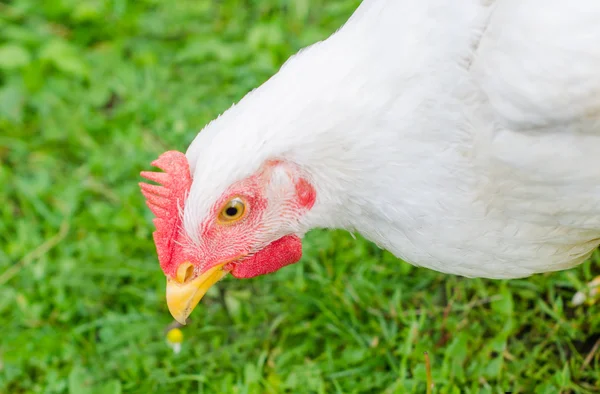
(182, 298)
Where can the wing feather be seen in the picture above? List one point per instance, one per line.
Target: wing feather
(538, 63)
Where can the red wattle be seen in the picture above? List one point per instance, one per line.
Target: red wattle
(285, 251)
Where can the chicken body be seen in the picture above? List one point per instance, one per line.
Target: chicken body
(463, 137)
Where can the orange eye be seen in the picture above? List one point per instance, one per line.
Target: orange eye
(233, 211)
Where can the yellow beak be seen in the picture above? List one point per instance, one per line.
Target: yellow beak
(183, 295)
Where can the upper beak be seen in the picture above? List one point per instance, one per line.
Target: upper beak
(183, 293)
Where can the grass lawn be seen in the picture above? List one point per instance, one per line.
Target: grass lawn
(90, 92)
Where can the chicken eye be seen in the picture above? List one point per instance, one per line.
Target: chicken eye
(232, 211)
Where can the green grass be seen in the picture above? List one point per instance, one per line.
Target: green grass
(90, 92)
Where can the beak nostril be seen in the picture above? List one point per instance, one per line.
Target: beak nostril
(185, 272)
(188, 273)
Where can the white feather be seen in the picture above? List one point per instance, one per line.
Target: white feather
(461, 136)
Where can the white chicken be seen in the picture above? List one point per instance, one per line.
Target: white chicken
(461, 136)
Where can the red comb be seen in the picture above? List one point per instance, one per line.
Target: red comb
(166, 201)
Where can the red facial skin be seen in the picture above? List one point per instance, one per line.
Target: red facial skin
(231, 243)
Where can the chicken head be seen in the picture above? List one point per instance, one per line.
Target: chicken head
(252, 228)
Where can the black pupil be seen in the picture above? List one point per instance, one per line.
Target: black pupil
(231, 211)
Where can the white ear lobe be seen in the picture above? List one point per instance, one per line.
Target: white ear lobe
(281, 178)
(281, 184)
